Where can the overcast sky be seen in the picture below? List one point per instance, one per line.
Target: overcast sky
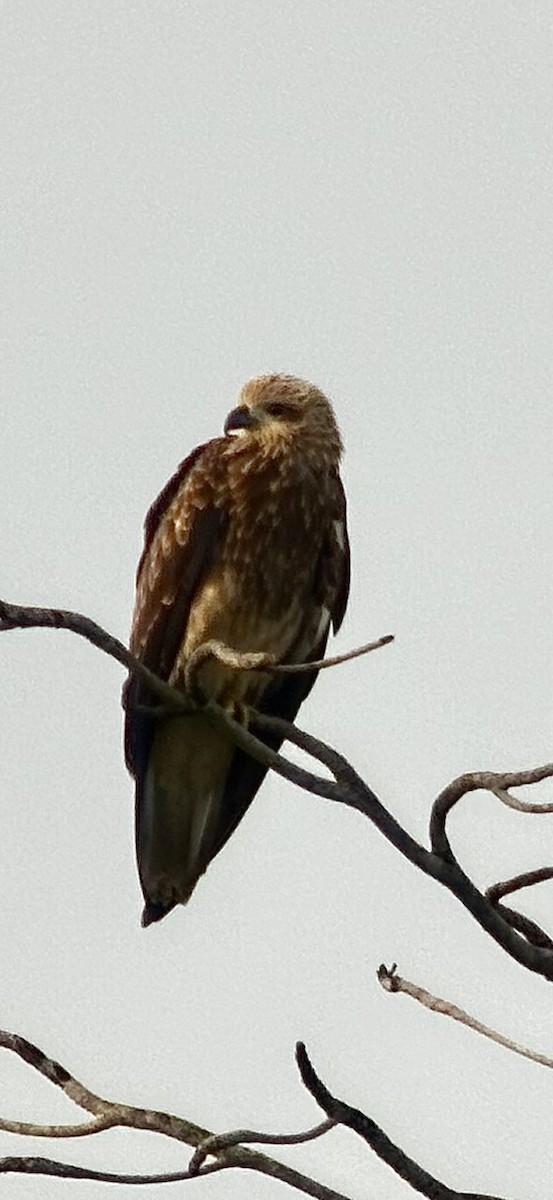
(361, 194)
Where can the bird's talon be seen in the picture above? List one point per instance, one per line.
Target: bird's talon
(241, 713)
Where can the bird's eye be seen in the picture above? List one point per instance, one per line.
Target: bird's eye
(277, 410)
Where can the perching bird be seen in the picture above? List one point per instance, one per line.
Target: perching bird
(247, 543)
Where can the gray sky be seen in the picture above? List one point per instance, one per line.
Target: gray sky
(193, 194)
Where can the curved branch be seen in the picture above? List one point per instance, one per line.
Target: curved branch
(55, 1074)
(534, 953)
(531, 946)
(125, 1116)
(17, 616)
(527, 879)
(530, 930)
(28, 1129)
(346, 788)
(222, 1141)
(34, 1165)
(239, 660)
(523, 806)
(533, 933)
(488, 781)
(352, 1118)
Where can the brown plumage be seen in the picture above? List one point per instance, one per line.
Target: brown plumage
(247, 543)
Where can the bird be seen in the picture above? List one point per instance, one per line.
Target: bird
(247, 543)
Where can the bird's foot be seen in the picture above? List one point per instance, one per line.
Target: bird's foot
(240, 713)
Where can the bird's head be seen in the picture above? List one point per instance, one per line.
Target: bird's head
(283, 408)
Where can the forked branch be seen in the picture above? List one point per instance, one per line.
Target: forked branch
(520, 938)
(227, 1148)
(511, 931)
(108, 1114)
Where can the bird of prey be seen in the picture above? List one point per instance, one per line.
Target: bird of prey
(247, 543)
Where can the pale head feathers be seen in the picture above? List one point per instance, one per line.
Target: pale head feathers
(285, 408)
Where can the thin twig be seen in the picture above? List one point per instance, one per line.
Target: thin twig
(529, 929)
(392, 982)
(239, 660)
(320, 664)
(28, 1129)
(489, 781)
(237, 1137)
(528, 879)
(525, 925)
(523, 806)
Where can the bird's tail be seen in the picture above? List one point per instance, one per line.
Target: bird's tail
(178, 810)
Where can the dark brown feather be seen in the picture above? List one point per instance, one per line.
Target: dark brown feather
(284, 696)
(344, 571)
(167, 494)
(182, 575)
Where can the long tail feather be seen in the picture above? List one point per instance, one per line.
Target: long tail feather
(178, 826)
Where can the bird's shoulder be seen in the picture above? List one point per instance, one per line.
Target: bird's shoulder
(184, 484)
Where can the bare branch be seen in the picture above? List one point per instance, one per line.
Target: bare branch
(533, 949)
(32, 1165)
(533, 933)
(528, 879)
(28, 1129)
(489, 781)
(254, 661)
(346, 787)
(14, 616)
(110, 1114)
(521, 938)
(344, 1114)
(530, 930)
(320, 664)
(392, 982)
(55, 1073)
(523, 806)
(222, 1141)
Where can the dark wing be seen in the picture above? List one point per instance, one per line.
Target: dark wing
(169, 572)
(284, 697)
(342, 560)
(167, 494)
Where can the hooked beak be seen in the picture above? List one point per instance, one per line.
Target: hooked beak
(240, 418)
